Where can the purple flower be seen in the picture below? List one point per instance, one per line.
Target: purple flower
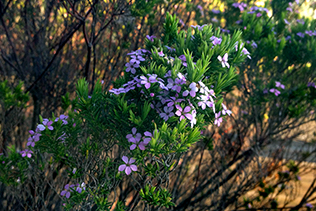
(181, 79)
(312, 84)
(40, 127)
(301, 21)
(167, 112)
(236, 46)
(30, 142)
(27, 153)
(225, 110)
(137, 143)
(127, 166)
(144, 81)
(63, 137)
(151, 38)
(254, 45)
(259, 9)
(289, 9)
(67, 190)
(35, 135)
(238, 22)
(193, 120)
(134, 137)
(204, 101)
(286, 22)
(216, 40)
(218, 119)
(193, 91)
(161, 54)
(46, 123)
(181, 22)
(310, 33)
(81, 187)
(214, 20)
(169, 48)
(216, 11)
(136, 59)
(182, 113)
(265, 91)
(241, 6)
(63, 118)
(201, 9)
(309, 205)
(300, 34)
(147, 137)
(278, 84)
(183, 59)
(225, 30)
(152, 79)
(131, 67)
(168, 74)
(258, 15)
(199, 27)
(118, 91)
(172, 101)
(275, 91)
(139, 52)
(224, 60)
(244, 51)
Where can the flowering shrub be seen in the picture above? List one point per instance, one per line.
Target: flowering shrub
(169, 92)
(122, 145)
(275, 96)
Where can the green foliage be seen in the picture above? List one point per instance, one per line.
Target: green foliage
(161, 198)
(10, 97)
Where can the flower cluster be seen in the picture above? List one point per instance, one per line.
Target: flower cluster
(276, 91)
(291, 6)
(240, 6)
(137, 57)
(70, 188)
(137, 140)
(172, 95)
(128, 166)
(35, 135)
(311, 84)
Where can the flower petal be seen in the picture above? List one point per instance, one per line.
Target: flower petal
(189, 116)
(187, 109)
(67, 195)
(141, 146)
(132, 160)
(122, 167)
(132, 147)
(148, 134)
(63, 193)
(134, 167)
(128, 170)
(125, 159)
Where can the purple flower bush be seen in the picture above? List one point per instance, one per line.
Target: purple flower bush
(276, 89)
(169, 92)
(137, 133)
